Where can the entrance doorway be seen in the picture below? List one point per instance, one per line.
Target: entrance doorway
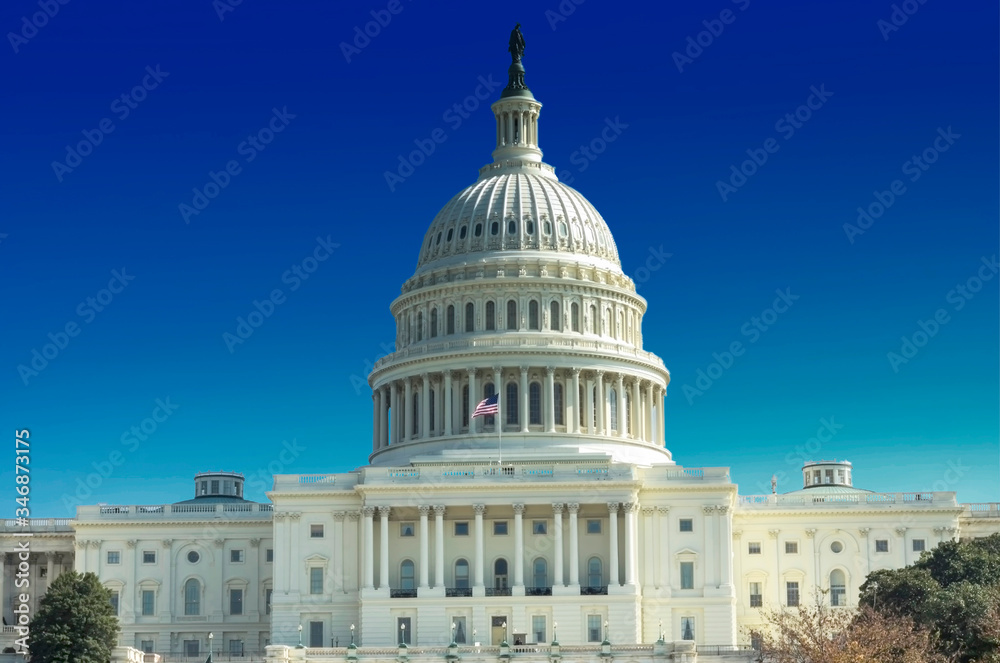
(498, 632)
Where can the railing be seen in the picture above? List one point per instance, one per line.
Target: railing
(458, 591)
(316, 478)
(538, 591)
(403, 473)
(402, 593)
(693, 473)
(28, 524)
(805, 499)
(594, 591)
(498, 591)
(724, 649)
(983, 509)
(166, 511)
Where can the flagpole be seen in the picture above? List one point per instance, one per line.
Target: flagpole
(499, 434)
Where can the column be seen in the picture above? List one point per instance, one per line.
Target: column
(575, 414)
(472, 399)
(648, 574)
(439, 400)
(439, 545)
(588, 413)
(773, 533)
(602, 404)
(447, 404)
(407, 426)
(557, 566)
(630, 509)
(425, 407)
(647, 433)
(524, 399)
(394, 407)
(726, 541)
(50, 565)
(518, 545)
(811, 535)
(480, 509)
(376, 436)
(663, 554)
(550, 400)
(383, 570)
(613, 550)
(622, 416)
(501, 407)
(338, 554)
(661, 437)
(369, 552)
(3, 596)
(636, 404)
(424, 510)
(383, 420)
(574, 545)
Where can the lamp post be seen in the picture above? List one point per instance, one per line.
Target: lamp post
(352, 635)
(606, 631)
(555, 635)
(300, 645)
(504, 643)
(453, 643)
(352, 651)
(402, 634)
(209, 659)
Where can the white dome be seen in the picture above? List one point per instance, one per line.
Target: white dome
(513, 210)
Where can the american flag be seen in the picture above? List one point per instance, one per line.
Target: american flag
(490, 405)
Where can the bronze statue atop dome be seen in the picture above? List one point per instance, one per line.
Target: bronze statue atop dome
(516, 46)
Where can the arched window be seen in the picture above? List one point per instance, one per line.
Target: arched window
(557, 401)
(535, 403)
(465, 405)
(620, 332)
(540, 573)
(434, 322)
(491, 316)
(420, 326)
(613, 395)
(555, 323)
(511, 227)
(533, 314)
(470, 317)
(574, 316)
(595, 573)
(488, 390)
(628, 413)
(192, 597)
(416, 414)
(406, 575)
(431, 413)
(450, 320)
(500, 574)
(511, 406)
(495, 228)
(608, 321)
(511, 314)
(838, 588)
(462, 574)
(593, 319)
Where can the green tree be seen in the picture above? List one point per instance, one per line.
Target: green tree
(75, 622)
(953, 590)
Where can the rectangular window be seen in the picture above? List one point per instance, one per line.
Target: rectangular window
(462, 528)
(149, 557)
(756, 598)
(539, 527)
(919, 545)
(458, 632)
(267, 601)
(792, 594)
(686, 525)
(235, 601)
(500, 528)
(687, 575)
(791, 547)
(315, 581)
(114, 557)
(191, 648)
(538, 628)
(593, 628)
(235, 648)
(687, 628)
(269, 555)
(146, 646)
(593, 526)
(882, 545)
(753, 547)
(148, 602)
(315, 634)
(236, 556)
(405, 630)
(114, 602)
(316, 531)
(407, 529)
(215, 486)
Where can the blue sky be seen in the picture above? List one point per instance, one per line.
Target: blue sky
(747, 136)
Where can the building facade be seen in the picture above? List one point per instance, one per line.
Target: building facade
(560, 516)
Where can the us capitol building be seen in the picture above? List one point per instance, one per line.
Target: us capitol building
(559, 527)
